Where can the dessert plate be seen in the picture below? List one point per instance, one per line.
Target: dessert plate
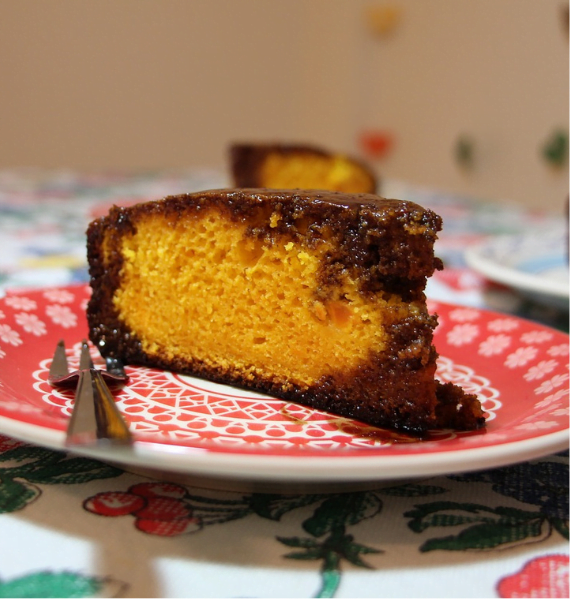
(189, 427)
(536, 264)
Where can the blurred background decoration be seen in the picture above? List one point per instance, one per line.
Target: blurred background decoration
(148, 84)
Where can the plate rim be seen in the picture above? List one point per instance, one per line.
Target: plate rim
(285, 468)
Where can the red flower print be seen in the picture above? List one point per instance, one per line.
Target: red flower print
(114, 503)
(541, 577)
(158, 490)
(163, 508)
(168, 528)
(158, 508)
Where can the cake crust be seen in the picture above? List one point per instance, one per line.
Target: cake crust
(384, 248)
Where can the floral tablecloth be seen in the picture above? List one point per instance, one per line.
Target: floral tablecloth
(74, 527)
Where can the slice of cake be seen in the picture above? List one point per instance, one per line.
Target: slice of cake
(293, 166)
(314, 297)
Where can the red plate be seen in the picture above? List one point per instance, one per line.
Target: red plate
(519, 370)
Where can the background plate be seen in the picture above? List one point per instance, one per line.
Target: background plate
(534, 263)
(189, 427)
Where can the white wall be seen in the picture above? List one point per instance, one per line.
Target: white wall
(493, 70)
(155, 83)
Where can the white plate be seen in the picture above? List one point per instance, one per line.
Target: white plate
(186, 427)
(535, 264)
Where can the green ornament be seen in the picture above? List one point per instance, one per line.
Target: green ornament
(555, 150)
(464, 151)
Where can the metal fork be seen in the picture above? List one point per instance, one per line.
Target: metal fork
(95, 419)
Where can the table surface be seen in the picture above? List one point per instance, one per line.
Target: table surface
(74, 527)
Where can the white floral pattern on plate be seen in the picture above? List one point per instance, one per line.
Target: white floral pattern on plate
(163, 406)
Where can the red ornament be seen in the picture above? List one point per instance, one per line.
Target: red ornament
(114, 503)
(376, 144)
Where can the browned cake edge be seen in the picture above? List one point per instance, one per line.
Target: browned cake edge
(408, 378)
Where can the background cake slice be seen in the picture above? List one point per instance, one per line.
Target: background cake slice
(311, 296)
(291, 166)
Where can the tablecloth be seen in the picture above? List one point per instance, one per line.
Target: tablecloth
(75, 527)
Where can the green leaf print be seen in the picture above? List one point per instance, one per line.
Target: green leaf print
(340, 510)
(15, 495)
(413, 490)
(486, 536)
(51, 584)
(561, 526)
(273, 507)
(483, 528)
(71, 471)
(38, 466)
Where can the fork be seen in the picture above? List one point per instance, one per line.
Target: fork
(95, 419)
